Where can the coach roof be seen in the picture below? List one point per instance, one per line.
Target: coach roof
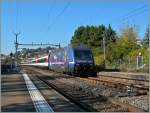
(79, 46)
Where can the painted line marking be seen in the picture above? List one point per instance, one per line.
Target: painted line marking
(40, 103)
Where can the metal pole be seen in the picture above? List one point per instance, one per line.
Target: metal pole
(142, 64)
(16, 46)
(59, 45)
(137, 63)
(142, 61)
(104, 50)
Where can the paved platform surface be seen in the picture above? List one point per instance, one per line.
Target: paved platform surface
(14, 94)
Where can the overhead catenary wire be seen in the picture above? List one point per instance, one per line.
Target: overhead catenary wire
(50, 10)
(57, 16)
(49, 26)
(137, 9)
(136, 13)
(49, 13)
(127, 18)
(17, 15)
(132, 13)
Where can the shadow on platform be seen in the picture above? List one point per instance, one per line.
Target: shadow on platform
(14, 94)
(18, 107)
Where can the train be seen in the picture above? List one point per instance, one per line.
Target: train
(75, 59)
(39, 62)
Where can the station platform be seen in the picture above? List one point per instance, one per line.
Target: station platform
(14, 94)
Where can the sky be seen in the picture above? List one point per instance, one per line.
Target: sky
(55, 22)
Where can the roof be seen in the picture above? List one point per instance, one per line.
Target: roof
(79, 46)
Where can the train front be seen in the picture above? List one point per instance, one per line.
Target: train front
(84, 62)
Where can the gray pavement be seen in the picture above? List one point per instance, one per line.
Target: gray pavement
(14, 94)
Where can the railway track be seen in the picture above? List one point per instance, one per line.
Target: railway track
(54, 97)
(118, 82)
(82, 99)
(124, 84)
(87, 101)
(126, 80)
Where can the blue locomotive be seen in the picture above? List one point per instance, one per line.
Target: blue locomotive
(76, 59)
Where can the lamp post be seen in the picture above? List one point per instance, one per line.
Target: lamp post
(139, 60)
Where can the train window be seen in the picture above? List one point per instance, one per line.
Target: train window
(41, 61)
(83, 55)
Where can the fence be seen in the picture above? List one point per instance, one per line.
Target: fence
(130, 65)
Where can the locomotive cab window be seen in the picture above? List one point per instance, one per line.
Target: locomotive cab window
(83, 55)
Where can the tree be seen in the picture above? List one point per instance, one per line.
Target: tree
(78, 35)
(130, 35)
(124, 44)
(110, 35)
(117, 50)
(93, 35)
(146, 37)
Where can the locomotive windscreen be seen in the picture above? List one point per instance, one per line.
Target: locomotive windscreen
(83, 55)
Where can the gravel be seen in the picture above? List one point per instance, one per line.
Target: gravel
(98, 90)
(95, 89)
(138, 101)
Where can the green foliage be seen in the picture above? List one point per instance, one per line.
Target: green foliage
(146, 55)
(117, 51)
(121, 51)
(144, 52)
(93, 35)
(110, 36)
(125, 44)
(145, 41)
(6, 61)
(98, 55)
(130, 37)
